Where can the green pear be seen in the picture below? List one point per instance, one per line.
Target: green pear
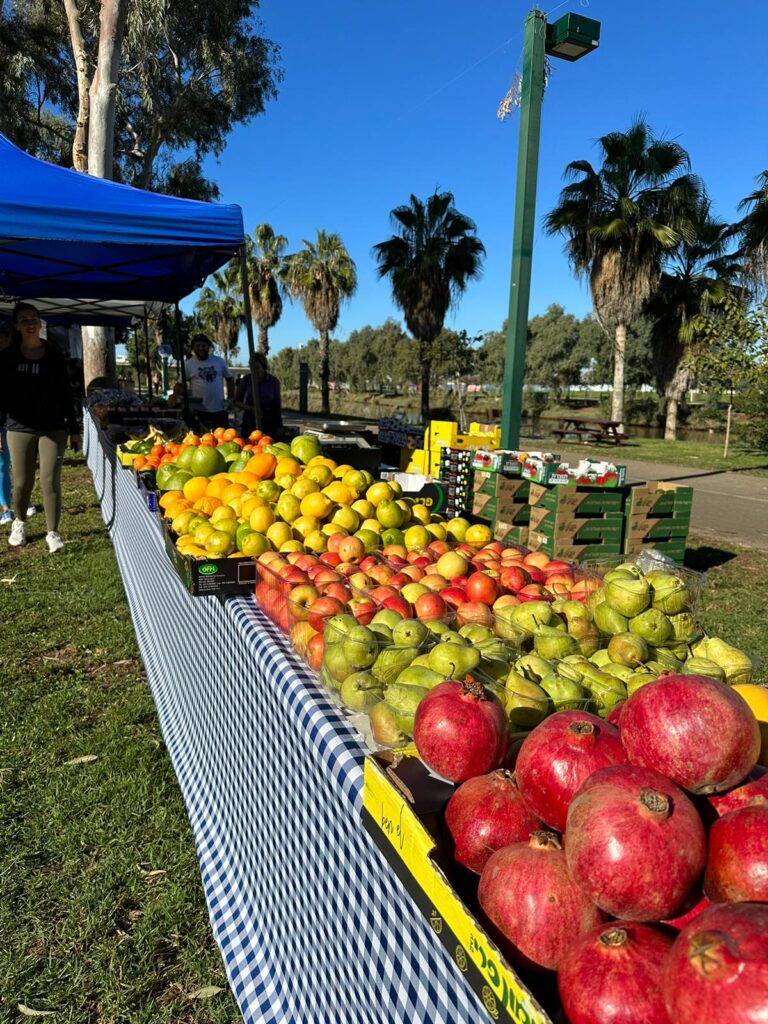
(638, 679)
(527, 704)
(653, 626)
(668, 659)
(533, 667)
(704, 667)
(391, 661)
(551, 644)
(607, 691)
(328, 679)
(382, 630)
(572, 610)
(384, 726)
(629, 568)
(453, 661)
(608, 620)
(736, 664)
(594, 600)
(600, 658)
(506, 628)
(531, 614)
(360, 691)
(569, 668)
(628, 597)
(669, 593)
(436, 627)
(497, 648)
(686, 628)
(409, 633)
(476, 633)
(627, 649)
(360, 646)
(619, 573)
(452, 637)
(586, 635)
(388, 617)
(491, 669)
(422, 661)
(565, 694)
(418, 675)
(336, 664)
(623, 672)
(404, 699)
(337, 628)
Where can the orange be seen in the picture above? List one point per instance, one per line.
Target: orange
(261, 519)
(262, 465)
(206, 505)
(229, 434)
(218, 432)
(233, 491)
(287, 466)
(196, 487)
(217, 486)
(180, 505)
(169, 497)
(317, 505)
(244, 477)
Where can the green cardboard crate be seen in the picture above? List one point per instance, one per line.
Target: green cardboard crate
(650, 529)
(657, 498)
(581, 501)
(509, 533)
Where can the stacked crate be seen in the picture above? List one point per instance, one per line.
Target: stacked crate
(502, 499)
(575, 523)
(455, 474)
(658, 515)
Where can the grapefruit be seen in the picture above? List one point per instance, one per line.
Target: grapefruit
(206, 461)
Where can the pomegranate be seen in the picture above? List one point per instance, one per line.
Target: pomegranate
(528, 895)
(461, 730)
(755, 785)
(612, 975)
(486, 813)
(634, 842)
(697, 731)
(737, 865)
(614, 715)
(717, 969)
(692, 907)
(560, 753)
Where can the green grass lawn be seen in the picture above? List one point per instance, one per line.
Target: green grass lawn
(102, 916)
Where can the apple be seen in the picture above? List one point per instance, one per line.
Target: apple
(363, 608)
(413, 572)
(301, 597)
(459, 581)
(537, 574)
(292, 576)
(347, 569)
(465, 549)
(399, 580)
(330, 558)
(434, 581)
(294, 556)
(555, 565)
(495, 545)
(381, 573)
(534, 592)
(413, 590)
(322, 608)
(452, 564)
(338, 590)
(304, 560)
(563, 578)
(359, 580)
(334, 540)
(351, 549)
(379, 593)
(422, 561)
(300, 635)
(430, 606)
(315, 651)
(474, 611)
(537, 558)
(396, 603)
(514, 578)
(481, 587)
(505, 601)
(438, 547)
(392, 551)
(267, 557)
(454, 596)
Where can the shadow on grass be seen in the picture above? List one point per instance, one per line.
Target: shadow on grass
(707, 557)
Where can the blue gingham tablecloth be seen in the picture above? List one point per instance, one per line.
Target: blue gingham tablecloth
(312, 924)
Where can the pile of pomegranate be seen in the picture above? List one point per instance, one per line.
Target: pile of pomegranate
(631, 858)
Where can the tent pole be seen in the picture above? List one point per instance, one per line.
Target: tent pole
(138, 360)
(249, 333)
(181, 362)
(146, 350)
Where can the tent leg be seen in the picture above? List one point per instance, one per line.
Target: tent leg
(138, 360)
(249, 333)
(181, 362)
(149, 365)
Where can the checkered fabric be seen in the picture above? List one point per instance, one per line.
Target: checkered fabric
(312, 924)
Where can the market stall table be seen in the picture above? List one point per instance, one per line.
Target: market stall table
(312, 924)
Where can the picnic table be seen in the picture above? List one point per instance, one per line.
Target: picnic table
(590, 429)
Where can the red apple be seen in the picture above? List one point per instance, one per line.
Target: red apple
(300, 598)
(537, 558)
(326, 576)
(330, 558)
(347, 569)
(394, 551)
(474, 611)
(430, 606)
(506, 600)
(315, 650)
(481, 587)
(292, 575)
(399, 580)
(379, 593)
(396, 603)
(360, 581)
(334, 540)
(459, 581)
(413, 572)
(434, 581)
(495, 545)
(423, 561)
(351, 549)
(557, 566)
(363, 608)
(305, 561)
(514, 577)
(454, 596)
(381, 573)
(534, 592)
(438, 547)
(322, 608)
(338, 590)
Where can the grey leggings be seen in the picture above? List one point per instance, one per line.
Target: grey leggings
(23, 449)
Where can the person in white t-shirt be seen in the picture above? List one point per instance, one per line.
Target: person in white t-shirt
(208, 376)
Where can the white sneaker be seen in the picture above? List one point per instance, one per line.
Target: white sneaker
(6, 517)
(31, 511)
(18, 535)
(54, 541)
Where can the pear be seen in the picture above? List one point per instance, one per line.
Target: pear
(601, 657)
(381, 629)
(418, 675)
(685, 627)
(391, 662)
(628, 597)
(669, 593)
(491, 669)
(668, 659)
(360, 646)
(404, 699)
(630, 569)
(384, 726)
(572, 610)
(565, 694)
(594, 600)
(627, 649)
(638, 679)
(337, 628)
(360, 691)
(608, 620)
(436, 627)
(410, 633)
(570, 669)
(336, 664)
(452, 660)
(422, 661)
(452, 637)
(531, 614)
(586, 634)
(505, 628)
(704, 667)
(498, 648)
(527, 704)
(328, 679)
(607, 691)
(736, 664)
(623, 672)
(653, 626)
(476, 633)
(620, 573)
(551, 644)
(533, 667)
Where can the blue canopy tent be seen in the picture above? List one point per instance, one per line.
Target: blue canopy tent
(104, 248)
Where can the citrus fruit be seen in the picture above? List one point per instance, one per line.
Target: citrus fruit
(757, 698)
(330, 528)
(369, 538)
(288, 507)
(262, 465)
(243, 531)
(305, 447)
(180, 524)
(227, 526)
(478, 534)
(437, 530)
(416, 537)
(196, 521)
(420, 514)
(321, 474)
(217, 485)
(222, 512)
(457, 528)
(180, 505)
(269, 489)
(169, 497)
(364, 508)
(184, 458)
(229, 448)
(392, 536)
(304, 486)
(284, 480)
(255, 544)
(371, 524)
(244, 477)
(346, 517)
(219, 543)
(397, 488)
(354, 479)
(195, 551)
(195, 487)
(291, 545)
(406, 506)
(231, 491)
(318, 505)
(178, 479)
(287, 467)
(278, 534)
(201, 534)
(206, 461)
(379, 492)
(389, 514)
(164, 475)
(249, 502)
(206, 505)
(261, 519)
(304, 525)
(316, 541)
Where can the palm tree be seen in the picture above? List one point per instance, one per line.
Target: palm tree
(264, 257)
(753, 230)
(619, 220)
(429, 263)
(697, 276)
(321, 276)
(221, 313)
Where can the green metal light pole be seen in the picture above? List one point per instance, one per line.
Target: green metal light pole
(570, 38)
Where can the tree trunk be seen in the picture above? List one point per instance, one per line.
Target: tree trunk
(263, 340)
(101, 126)
(325, 374)
(674, 393)
(80, 142)
(619, 351)
(426, 368)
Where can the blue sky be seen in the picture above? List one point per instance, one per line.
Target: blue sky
(381, 100)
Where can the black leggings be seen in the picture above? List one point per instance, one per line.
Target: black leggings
(23, 449)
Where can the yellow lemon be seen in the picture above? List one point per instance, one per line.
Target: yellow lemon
(397, 488)
(202, 533)
(420, 514)
(318, 505)
(316, 541)
(304, 486)
(478, 534)
(255, 544)
(341, 471)
(757, 698)
(291, 545)
(354, 479)
(365, 509)
(330, 528)
(416, 538)
(437, 530)
(195, 551)
(219, 543)
(371, 524)
(305, 525)
(279, 534)
(379, 492)
(339, 493)
(221, 513)
(319, 473)
(261, 519)
(249, 503)
(180, 524)
(288, 507)
(346, 517)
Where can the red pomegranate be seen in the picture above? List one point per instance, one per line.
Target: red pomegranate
(694, 905)
(560, 753)
(634, 842)
(528, 895)
(737, 865)
(717, 969)
(697, 731)
(486, 813)
(612, 975)
(461, 730)
(755, 785)
(614, 715)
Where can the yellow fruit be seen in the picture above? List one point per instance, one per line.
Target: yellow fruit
(397, 488)
(341, 471)
(291, 545)
(330, 528)
(406, 506)
(478, 534)
(184, 542)
(249, 503)
(236, 504)
(219, 543)
(285, 480)
(365, 509)
(304, 486)
(196, 487)
(244, 477)
(346, 517)
(437, 530)
(261, 519)
(416, 537)
(390, 515)
(457, 528)
(305, 525)
(169, 497)
(229, 526)
(223, 512)
(379, 492)
(287, 467)
(420, 514)
(318, 505)
(371, 524)
(757, 698)
(278, 534)
(232, 491)
(255, 544)
(316, 541)
(195, 551)
(322, 460)
(217, 486)
(180, 525)
(206, 505)
(339, 493)
(202, 533)
(178, 506)
(319, 473)
(354, 478)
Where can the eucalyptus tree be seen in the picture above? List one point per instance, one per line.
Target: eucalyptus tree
(321, 275)
(429, 262)
(619, 220)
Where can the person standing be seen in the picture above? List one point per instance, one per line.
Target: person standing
(37, 412)
(269, 398)
(6, 516)
(208, 376)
